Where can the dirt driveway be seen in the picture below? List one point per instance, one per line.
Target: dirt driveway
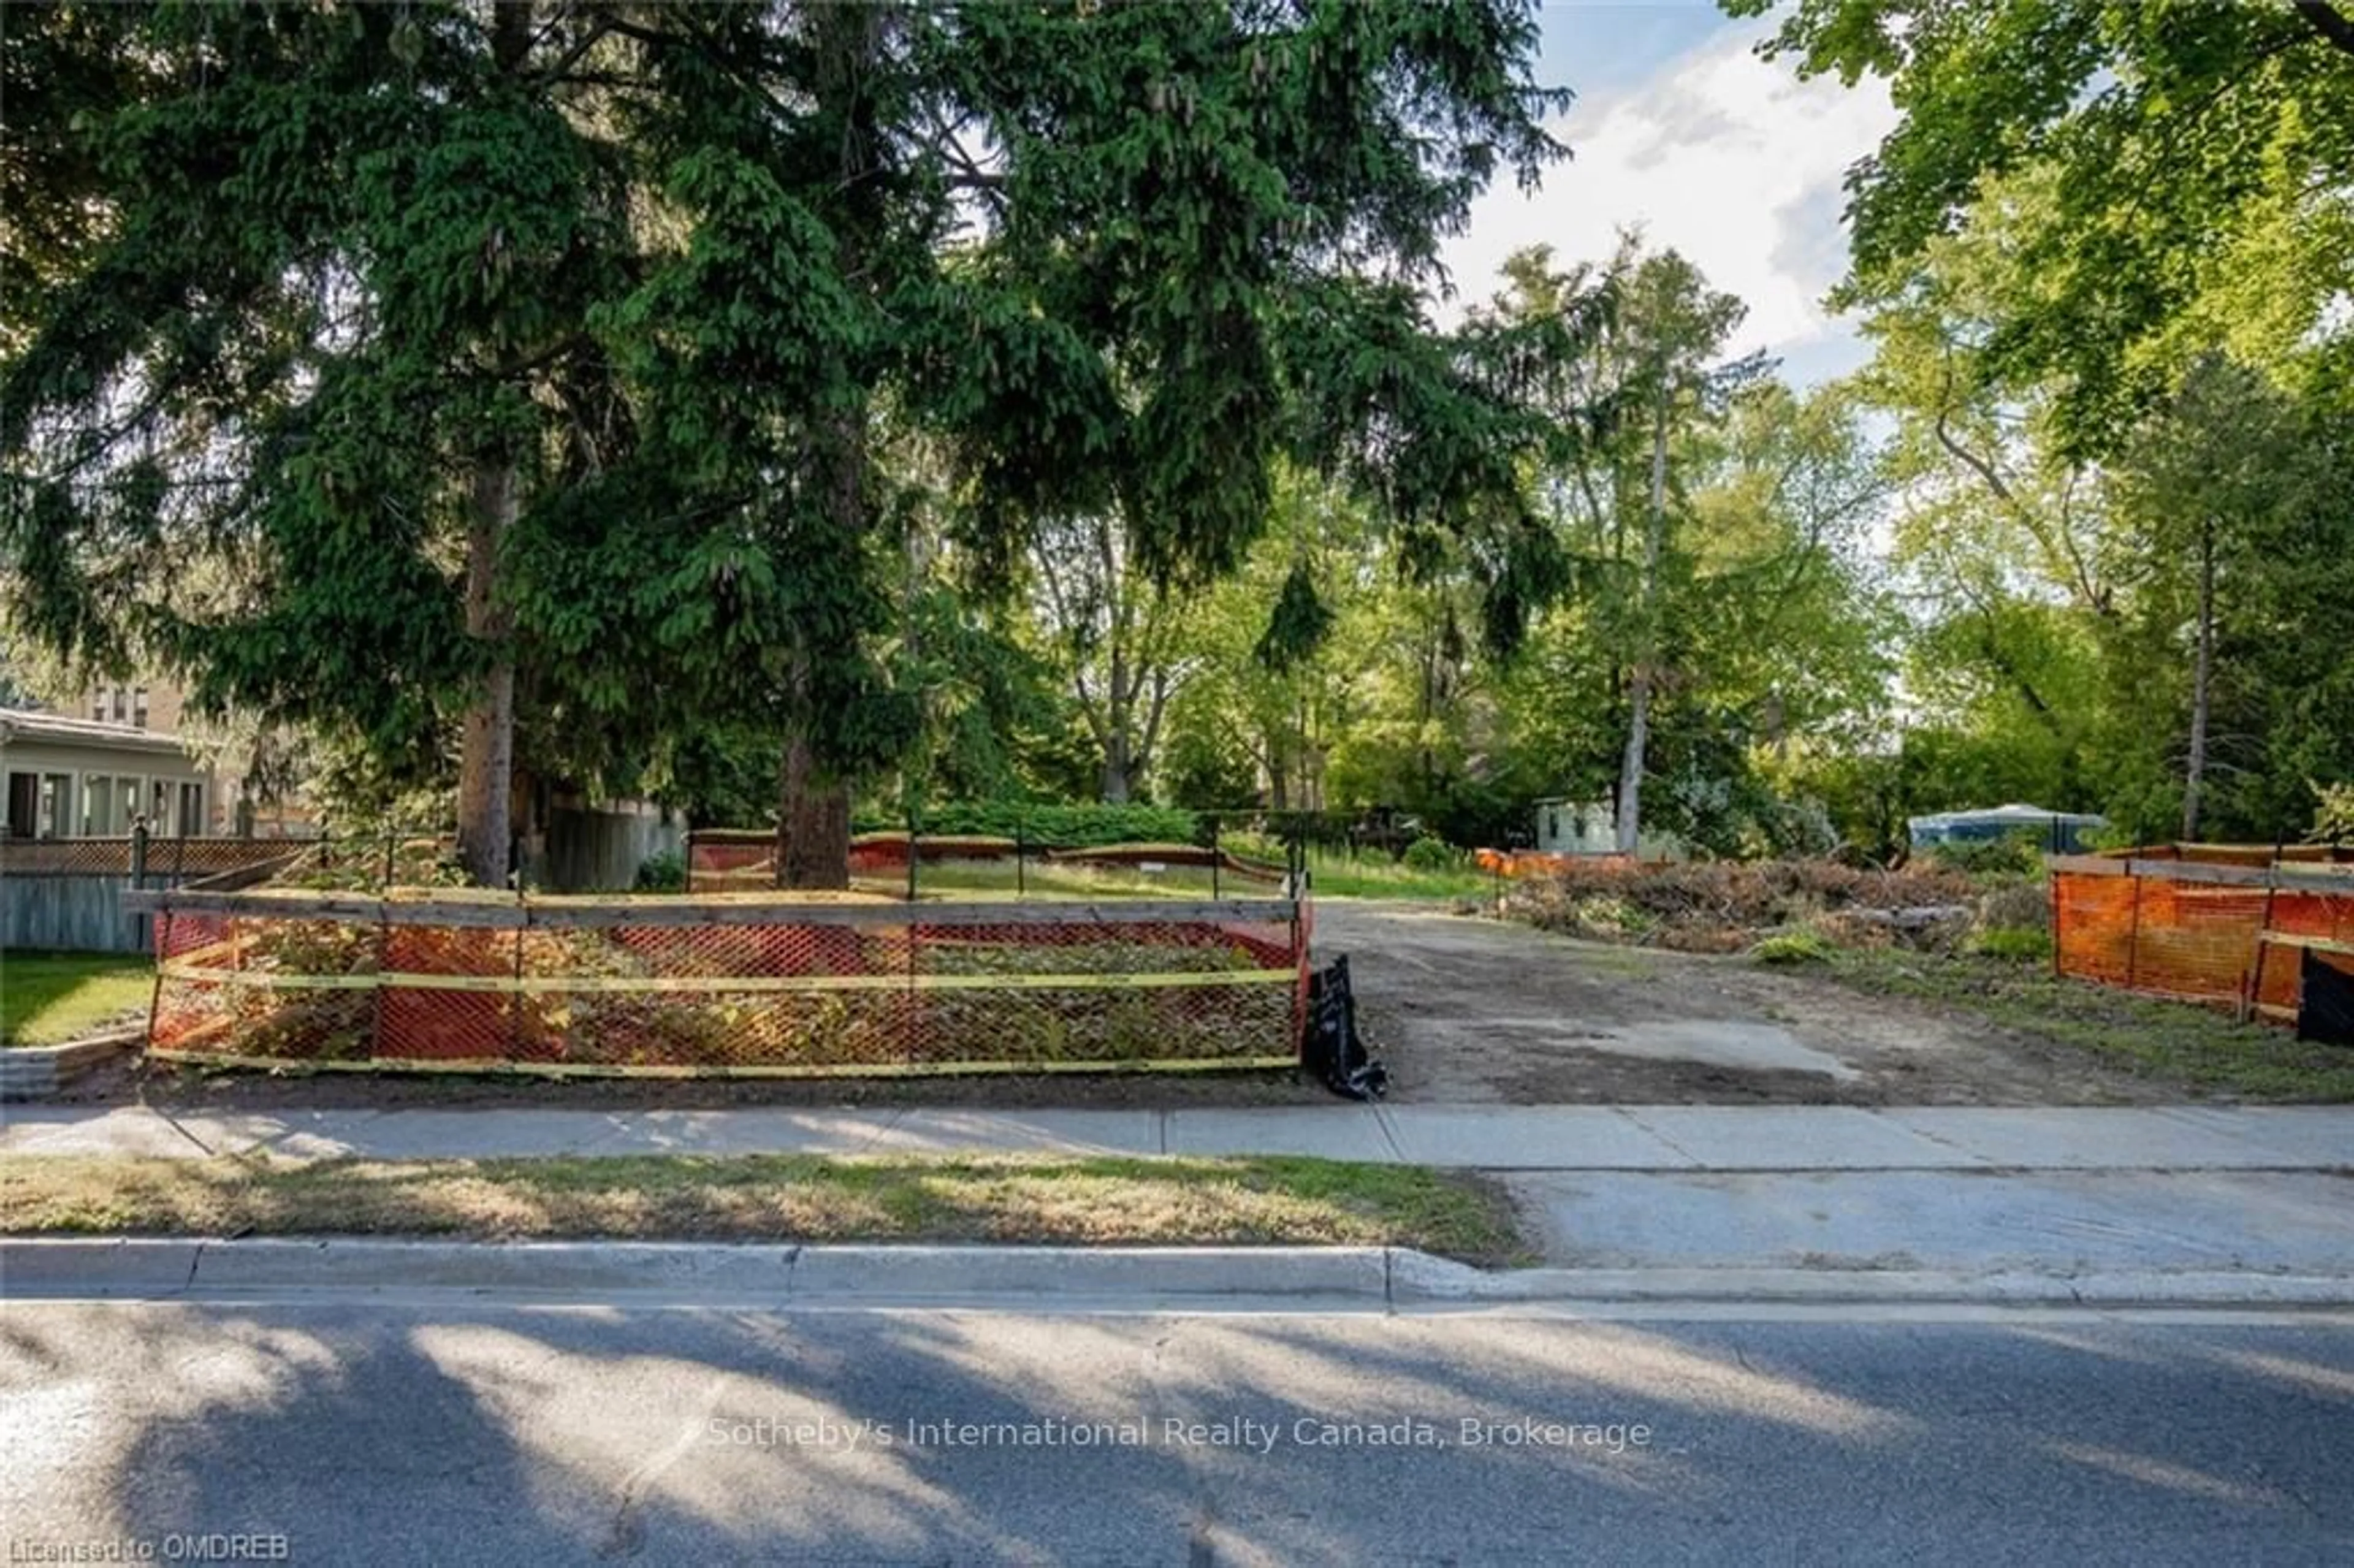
(1463, 1008)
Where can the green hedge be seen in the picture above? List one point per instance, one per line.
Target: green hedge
(1051, 827)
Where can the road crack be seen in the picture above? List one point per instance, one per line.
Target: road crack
(626, 1536)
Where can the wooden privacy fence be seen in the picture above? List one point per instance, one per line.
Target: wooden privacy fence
(2203, 923)
(67, 895)
(745, 985)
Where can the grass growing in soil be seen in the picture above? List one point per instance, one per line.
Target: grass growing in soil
(2181, 1041)
(1341, 875)
(47, 999)
(1106, 1201)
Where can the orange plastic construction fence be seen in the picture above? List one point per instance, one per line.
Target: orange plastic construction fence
(725, 986)
(2201, 923)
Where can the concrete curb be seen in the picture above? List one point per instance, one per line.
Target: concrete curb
(1418, 1278)
(1042, 1277)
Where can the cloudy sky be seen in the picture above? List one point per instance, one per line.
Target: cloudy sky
(1679, 129)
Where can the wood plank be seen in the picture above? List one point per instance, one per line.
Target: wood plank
(2287, 878)
(747, 909)
(521, 1069)
(2309, 944)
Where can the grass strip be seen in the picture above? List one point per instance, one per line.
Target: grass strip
(2175, 1041)
(1091, 1201)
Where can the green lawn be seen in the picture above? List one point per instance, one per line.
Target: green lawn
(1106, 1201)
(47, 998)
(1338, 874)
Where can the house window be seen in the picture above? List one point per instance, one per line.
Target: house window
(24, 804)
(139, 706)
(56, 806)
(122, 704)
(97, 806)
(98, 705)
(189, 820)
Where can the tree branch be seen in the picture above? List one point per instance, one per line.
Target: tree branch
(2330, 22)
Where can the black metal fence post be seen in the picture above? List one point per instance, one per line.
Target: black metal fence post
(1214, 856)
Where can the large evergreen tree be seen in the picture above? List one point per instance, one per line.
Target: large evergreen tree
(517, 369)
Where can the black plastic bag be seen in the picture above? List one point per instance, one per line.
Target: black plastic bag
(2325, 1012)
(1333, 1051)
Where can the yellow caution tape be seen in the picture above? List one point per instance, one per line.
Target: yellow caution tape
(274, 979)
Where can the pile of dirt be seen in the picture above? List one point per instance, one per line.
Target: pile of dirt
(1721, 906)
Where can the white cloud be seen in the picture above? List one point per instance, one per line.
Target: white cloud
(1729, 159)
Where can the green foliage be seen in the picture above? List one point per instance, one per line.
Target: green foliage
(1299, 624)
(665, 873)
(1431, 854)
(2333, 814)
(1792, 949)
(2186, 160)
(309, 281)
(2014, 854)
(1052, 826)
(2021, 944)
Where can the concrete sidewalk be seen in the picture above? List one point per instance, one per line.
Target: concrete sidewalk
(1631, 1138)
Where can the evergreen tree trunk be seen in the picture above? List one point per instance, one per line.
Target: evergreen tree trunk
(486, 759)
(2195, 770)
(486, 754)
(813, 822)
(813, 806)
(1638, 696)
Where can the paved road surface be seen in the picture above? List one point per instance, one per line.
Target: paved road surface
(408, 1430)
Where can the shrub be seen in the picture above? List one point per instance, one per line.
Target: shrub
(2014, 854)
(1788, 948)
(2333, 815)
(663, 873)
(1432, 855)
(1051, 827)
(2024, 944)
(2025, 906)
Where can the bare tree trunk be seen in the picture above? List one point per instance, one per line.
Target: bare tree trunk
(1120, 712)
(1638, 696)
(486, 759)
(1115, 764)
(2195, 771)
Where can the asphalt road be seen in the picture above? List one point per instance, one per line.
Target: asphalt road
(399, 1431)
